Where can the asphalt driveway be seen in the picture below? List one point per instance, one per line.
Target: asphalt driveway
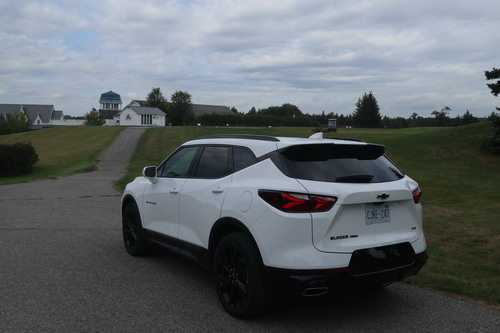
(63, 267)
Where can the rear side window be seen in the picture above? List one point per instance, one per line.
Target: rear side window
(215, 162)
(338, 163)
(243, 157)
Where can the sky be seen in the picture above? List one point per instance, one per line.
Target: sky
(320, 55)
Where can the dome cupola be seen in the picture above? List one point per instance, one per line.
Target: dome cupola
(110, 101)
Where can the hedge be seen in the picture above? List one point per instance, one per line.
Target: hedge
(17, 159)
(258, 120)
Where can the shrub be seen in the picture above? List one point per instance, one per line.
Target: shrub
(94, 118)
(17, 159)
(13, 123)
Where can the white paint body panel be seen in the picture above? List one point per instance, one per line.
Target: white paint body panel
(200, 206)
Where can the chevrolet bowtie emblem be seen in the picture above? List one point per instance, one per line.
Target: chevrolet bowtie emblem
(383, 196)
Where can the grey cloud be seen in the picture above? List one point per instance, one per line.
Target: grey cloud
(416, 56)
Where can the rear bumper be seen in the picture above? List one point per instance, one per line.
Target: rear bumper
(287, 281)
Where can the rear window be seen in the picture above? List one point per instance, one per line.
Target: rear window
(337, 163)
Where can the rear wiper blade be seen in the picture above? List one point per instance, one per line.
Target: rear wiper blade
(355, 179)
(397, 173)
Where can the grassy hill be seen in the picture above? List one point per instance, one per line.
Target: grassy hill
(461, 187)
(63, 150)
(461, 202)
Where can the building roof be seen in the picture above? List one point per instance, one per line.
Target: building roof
(31, 110)
(135, 102)
(44, 111)
(57, 115)
(200, 109)
(110, 97)
(147, 110)
(9, 108)
(108, 114)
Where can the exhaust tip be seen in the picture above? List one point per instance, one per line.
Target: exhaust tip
(316, 291)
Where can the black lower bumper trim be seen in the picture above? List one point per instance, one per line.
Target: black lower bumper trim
(286, 281)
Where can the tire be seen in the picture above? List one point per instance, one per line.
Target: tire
(133, 234)
(237, 273)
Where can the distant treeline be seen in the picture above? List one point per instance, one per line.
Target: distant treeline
(321, 121)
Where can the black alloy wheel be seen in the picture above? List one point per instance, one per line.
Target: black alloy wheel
(133, 234)
(238, 277)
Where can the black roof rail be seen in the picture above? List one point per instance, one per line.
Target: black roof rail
(240, 136)
(347, 139)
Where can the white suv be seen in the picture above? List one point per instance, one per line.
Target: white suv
(274, 215)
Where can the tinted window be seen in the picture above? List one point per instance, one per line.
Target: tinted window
(214, 162)
(178, 164)
(338, 163)
(243, 157)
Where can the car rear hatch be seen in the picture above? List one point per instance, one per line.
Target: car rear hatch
(364, 216)
(374, 206)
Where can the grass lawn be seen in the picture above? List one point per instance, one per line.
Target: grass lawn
(62, 150)
(461, 199)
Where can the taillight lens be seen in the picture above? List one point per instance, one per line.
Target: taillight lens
(417, 194)
(297, 202)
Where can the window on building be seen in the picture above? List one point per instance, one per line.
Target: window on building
(146, 119)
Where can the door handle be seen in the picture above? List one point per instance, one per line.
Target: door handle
(174, 190)
(218, 190)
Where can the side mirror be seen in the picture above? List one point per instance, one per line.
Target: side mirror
(149, 172)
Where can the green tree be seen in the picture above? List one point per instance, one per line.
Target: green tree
(492, 75)
(291, 110)
(442, 118)
(468, 118)
(367, 113)
(94, 118)
(14, 123)
(285, 110)
(252, 111)
(156, 99)
(181, 108)
(493, 143)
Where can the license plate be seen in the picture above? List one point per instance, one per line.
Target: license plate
(377, 214)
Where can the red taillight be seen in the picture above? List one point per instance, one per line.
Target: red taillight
(339, 270)
(417, 194)
(297, 202)
(292, 202)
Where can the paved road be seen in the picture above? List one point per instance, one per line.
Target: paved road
(63, 268)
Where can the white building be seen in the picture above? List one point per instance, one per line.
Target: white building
(137, 114)
(141, 116)
(134, 114)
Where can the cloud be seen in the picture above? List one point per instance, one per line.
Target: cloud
(416, 56)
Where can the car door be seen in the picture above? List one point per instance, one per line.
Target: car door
(203, 194)
(161, 198)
